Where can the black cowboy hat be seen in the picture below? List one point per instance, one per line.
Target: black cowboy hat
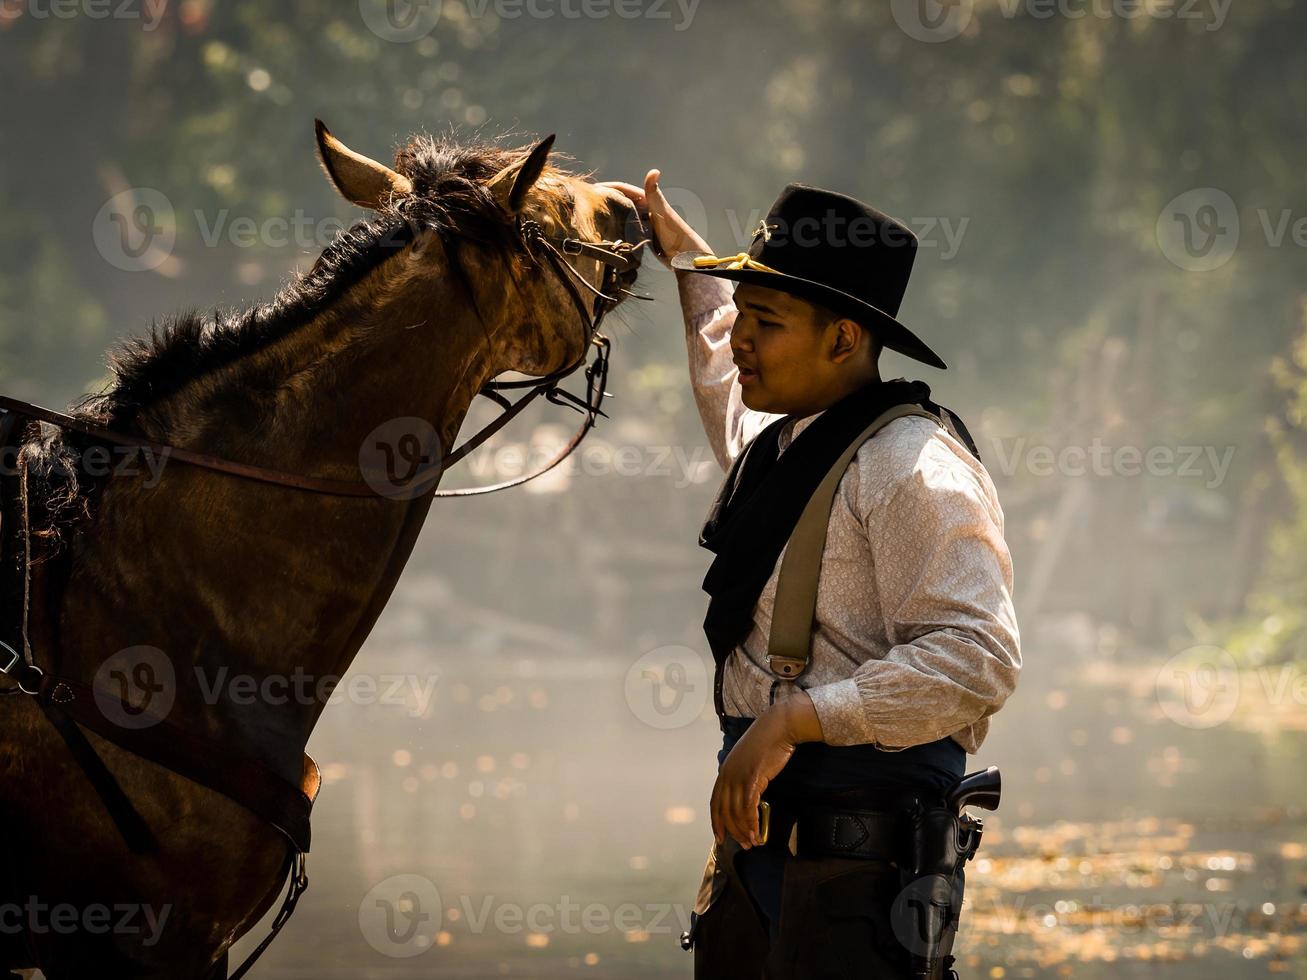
(831, 249)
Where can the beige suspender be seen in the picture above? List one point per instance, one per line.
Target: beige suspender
(790, 643)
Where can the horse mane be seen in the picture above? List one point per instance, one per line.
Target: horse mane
(450, 199)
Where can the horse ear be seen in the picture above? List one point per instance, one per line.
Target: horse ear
(512, 184)
(362, 181)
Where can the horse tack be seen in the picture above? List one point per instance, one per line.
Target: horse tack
(284, 804)
(70, 707)
(616, 257)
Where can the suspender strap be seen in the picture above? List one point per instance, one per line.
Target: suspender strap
(789, 645)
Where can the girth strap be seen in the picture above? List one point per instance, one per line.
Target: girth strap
(245, 780)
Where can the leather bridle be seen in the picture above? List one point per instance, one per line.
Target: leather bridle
(616, 257)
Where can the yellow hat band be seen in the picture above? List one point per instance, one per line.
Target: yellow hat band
(741, 260)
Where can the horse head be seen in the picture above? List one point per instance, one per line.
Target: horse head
(469, 207)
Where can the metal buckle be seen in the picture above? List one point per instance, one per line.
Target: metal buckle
(38, 673)
(785, 666)
(16, 661)
(14, 658)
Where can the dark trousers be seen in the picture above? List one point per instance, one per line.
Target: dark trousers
(768, 915)
(834, 923)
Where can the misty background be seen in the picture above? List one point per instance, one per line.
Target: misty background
(1113, 226)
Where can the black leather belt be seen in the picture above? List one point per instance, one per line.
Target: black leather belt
(829, 832)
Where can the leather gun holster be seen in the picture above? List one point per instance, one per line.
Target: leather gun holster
(926, 913)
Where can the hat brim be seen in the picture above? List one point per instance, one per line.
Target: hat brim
(889, 331)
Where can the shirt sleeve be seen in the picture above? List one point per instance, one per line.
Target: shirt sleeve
(944, 575)
(709, 315)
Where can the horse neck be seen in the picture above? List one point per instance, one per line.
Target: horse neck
(240, 578)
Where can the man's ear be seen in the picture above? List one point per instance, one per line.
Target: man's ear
(847, 334)
(361, 180)
(513, 184)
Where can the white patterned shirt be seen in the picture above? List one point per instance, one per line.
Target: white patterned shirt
(916, 635)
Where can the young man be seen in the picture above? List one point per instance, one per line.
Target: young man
(915, 641)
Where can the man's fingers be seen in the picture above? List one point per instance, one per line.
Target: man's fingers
(744, 816)
(734, 819)
(636, 194)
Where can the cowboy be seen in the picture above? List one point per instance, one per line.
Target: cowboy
(914, 640)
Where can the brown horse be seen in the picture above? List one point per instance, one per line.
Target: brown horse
(406, 316)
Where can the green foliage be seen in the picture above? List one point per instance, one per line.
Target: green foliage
(1274, 627)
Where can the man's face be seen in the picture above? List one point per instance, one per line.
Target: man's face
(782, 352)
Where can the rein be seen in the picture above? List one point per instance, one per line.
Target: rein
(616, 257)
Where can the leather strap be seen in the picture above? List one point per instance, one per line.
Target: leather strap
(283, 804)
(789, 645)
(870, 834)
